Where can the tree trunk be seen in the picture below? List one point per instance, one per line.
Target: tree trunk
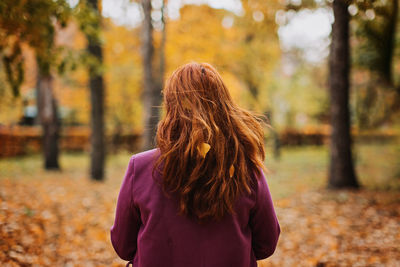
(48, 118)
(389, 42)
(341, 172)
(162, 52)
(96, 84)
(276, 144)
(151, 92)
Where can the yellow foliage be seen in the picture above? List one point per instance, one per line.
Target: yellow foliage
(245, 53)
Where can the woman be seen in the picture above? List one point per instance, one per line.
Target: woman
(200, 198)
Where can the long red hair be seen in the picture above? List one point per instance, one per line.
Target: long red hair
(199, 109)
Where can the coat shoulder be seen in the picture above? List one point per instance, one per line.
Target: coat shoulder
(145, 160)
(147, 155)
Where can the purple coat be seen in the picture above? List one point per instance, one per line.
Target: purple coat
(149, 232)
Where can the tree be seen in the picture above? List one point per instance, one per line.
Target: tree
(378, 97)
(35, 28)
(48, 113)
(151, 92)
(376, 30)
(258, 30)
(341, 171)
(96, 84)
(161, 52)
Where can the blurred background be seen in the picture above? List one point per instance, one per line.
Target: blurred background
(80, 92)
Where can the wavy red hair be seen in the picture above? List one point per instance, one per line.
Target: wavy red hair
(199, 109)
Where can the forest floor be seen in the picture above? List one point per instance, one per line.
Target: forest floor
(63, 219)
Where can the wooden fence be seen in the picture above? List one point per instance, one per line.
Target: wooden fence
(22, 140)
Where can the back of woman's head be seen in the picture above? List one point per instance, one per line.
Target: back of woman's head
(209, 146)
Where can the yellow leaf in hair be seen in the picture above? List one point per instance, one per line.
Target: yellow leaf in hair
(203, 149)
(185, 104)
(231, 171)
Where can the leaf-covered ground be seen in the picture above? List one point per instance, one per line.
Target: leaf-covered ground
(321, 228)
(63, 219)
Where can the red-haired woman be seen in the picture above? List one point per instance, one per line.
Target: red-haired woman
(200, 198)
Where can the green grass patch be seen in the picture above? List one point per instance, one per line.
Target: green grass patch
(305, 168)
(298, 169)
